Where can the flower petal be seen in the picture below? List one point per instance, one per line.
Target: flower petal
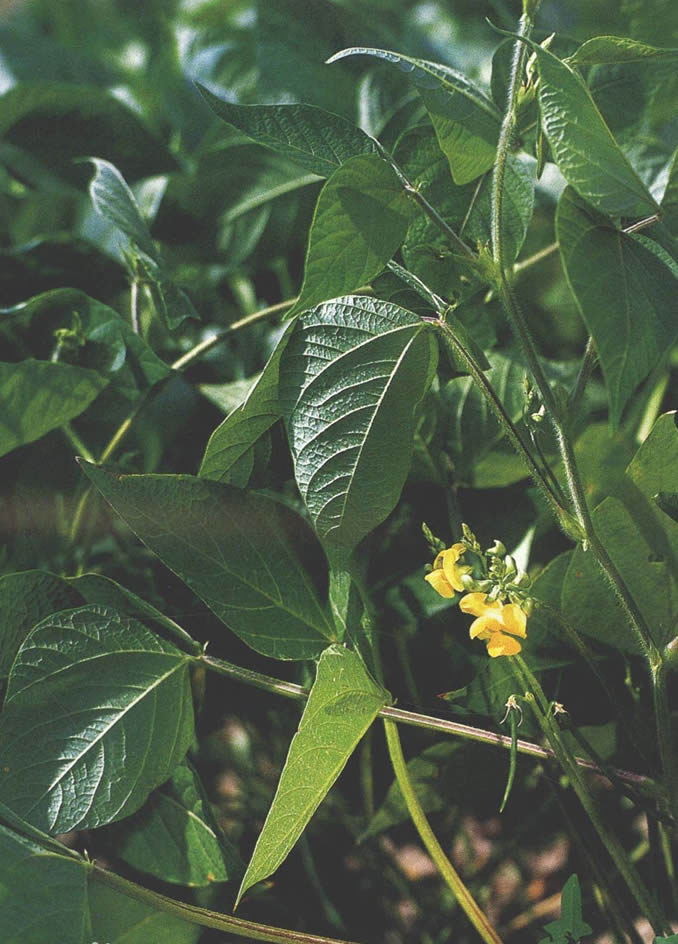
(474, 603)
(450, 568)
(501, 645)
(481, 628)
(514, 619)
(439, 582)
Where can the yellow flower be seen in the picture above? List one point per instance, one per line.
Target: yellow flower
(446, 574)
(497, 623)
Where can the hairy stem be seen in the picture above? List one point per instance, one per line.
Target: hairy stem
(203, 916)
(415, 719)
(469, 905)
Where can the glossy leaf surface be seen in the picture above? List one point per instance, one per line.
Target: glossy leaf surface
(120, 919)
(353, 372)
(98, 713)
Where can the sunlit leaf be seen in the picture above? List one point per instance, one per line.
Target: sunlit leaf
(98, 713)
(352, 374)
(343, 703)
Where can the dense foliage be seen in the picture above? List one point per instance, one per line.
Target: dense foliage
(302, 302)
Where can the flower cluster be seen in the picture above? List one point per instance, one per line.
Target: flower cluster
(501, 625)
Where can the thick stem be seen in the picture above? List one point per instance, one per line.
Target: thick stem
(467, 902)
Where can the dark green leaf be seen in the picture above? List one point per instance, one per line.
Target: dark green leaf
(466, 122)
(351, 376)
(238, 551)
(360, 221)
(38, 396)
(58, 122)
(175, 838)
(669, 205)
(583, 146)
(25, 599)
(668, 502)
(471, 430)
(604, 49)
(119, 919)
(113, 199)
(626, 295)
(110, 345)
(315, 139)
(98, 713)
(43, 895)
(589, 602)
(424, 771)
(232, 442)
(343, 703)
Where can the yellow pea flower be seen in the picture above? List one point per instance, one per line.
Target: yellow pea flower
(496, 623)
(446, 574)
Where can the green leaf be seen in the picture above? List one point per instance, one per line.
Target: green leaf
(39, 396)
(653, 472)
(57, 122)
(351, 376)
(231, 444)
(43, 896)
(582, 145)
(25, 599)
(571, 927)
(360, 221)
(98, 713)
(113, 200)
(175, 838)
(110, 345)
(468, 207)
(612, 49)
(317, 140)
(120, 919)
(669, 204)
(470, 428)
(95, 588)
(424, 772)
(673, 939)
(588, 601)
(625, 293)
(238, 551)
(465, 120)
(343, 703)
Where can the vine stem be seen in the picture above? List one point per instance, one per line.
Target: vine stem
(204, 917)
(502, 416)
(466, 900)
(588, 535)
(541, 709)
(416, 719)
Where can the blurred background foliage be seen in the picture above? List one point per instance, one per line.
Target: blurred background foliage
(114, 79)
